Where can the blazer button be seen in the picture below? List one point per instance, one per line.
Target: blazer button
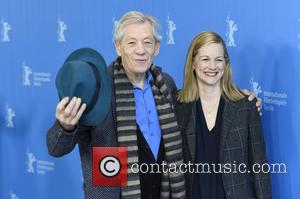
(59, 134)
(154, 187)
(228, 193)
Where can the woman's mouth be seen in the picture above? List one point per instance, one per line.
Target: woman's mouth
(211, 74)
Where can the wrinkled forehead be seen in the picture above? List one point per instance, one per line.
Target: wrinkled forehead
(138, 31)
(140, 26)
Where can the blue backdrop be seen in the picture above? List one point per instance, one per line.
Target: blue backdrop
(263, 38)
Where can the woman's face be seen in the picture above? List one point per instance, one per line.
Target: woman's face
(209, 64)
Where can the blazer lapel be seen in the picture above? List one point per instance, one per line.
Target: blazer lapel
(190, 122)
(228, 116)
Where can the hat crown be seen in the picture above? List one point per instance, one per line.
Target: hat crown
(84, 74)
(78, 80)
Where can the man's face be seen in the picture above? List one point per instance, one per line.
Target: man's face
(137, 48)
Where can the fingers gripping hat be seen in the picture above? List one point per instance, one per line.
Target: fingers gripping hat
(84, 74)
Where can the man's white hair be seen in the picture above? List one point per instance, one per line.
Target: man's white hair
(135, 17)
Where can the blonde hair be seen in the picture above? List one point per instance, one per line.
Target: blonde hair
(189, 91)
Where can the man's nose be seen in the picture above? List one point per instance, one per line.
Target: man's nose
(140, 48)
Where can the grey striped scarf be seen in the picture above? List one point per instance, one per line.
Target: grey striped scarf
(173, 184)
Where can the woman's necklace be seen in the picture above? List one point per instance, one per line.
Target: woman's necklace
(210, 112)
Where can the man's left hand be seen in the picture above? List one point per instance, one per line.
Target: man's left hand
(251, 96)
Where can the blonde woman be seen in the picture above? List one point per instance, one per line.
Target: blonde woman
(221, 129)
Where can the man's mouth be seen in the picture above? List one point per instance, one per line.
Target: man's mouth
(140, 60)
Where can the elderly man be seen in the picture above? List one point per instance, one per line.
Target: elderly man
(141, 117)
(141, 113)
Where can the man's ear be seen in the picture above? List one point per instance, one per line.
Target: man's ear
(157, 48)
(118, 47)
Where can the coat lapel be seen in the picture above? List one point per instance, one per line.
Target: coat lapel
(189, 123)
(192, 131)
(228, 116)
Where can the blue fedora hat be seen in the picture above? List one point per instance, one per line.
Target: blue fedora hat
(84, 74)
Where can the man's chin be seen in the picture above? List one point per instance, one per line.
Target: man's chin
(142, 69)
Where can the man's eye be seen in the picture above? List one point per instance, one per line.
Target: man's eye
(131, 43)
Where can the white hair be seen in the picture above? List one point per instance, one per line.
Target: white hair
(135, 17)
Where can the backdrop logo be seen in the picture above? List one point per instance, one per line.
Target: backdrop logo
(10, 114)
(231, 29)
(29, 162)
(26, 73)
(38, 78)
(12, 195)
(5, 28)
(255, 87)
(61, 28)
(34, 165)
(170, 31)
(271, 99)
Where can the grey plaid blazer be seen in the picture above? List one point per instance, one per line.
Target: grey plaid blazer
(60, 143)
(241, 141)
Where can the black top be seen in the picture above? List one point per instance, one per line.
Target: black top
(207, 184)
(150, 182)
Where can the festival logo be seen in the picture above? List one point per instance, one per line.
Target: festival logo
(26, 73)
(29, 162)
(170, 31)
(5, 28)
(37, 166)
(271, 99)
(31, 78)
(255, 87)
(10, 114)
(231, 29)
(61, 28)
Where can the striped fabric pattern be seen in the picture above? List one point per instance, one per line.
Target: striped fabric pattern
(173, 184)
